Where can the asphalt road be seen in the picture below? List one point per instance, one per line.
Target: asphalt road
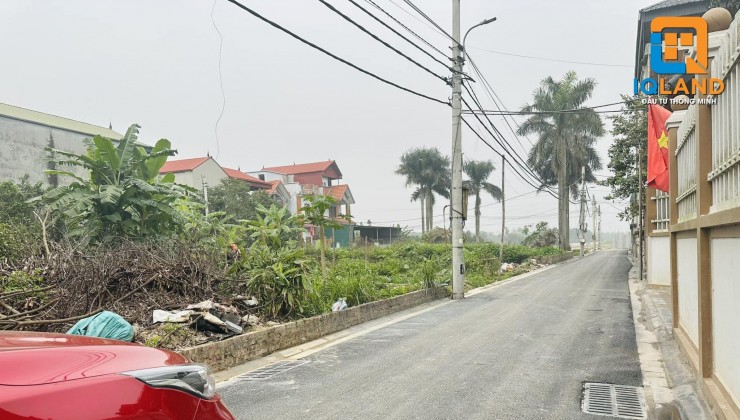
(519, 351)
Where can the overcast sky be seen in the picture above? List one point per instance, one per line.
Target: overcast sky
(156, 63)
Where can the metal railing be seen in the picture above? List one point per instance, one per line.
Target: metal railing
(662, 205)
(725, 174)
(686, 158)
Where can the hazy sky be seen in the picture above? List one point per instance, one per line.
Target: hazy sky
(156, 63)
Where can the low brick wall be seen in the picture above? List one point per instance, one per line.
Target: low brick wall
(554, 259)
(236, 350)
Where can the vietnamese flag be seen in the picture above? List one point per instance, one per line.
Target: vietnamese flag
(657, 150)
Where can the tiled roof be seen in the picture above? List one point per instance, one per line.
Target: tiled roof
(49, 120)
(237, 174)
(336, 191)
(182, 165)
(274, 184)
(301, 168)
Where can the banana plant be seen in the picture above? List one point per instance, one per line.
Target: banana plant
(123, 194)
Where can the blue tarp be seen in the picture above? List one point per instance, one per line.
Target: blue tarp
(104, 325)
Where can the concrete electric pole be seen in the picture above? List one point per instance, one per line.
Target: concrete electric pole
(593, 223)
(458, 263)
(503, 211)
(582, 217)
(456, 190)
(598, 229)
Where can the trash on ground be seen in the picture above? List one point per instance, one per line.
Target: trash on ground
(106, 324)
(339, 305)
(177, 317)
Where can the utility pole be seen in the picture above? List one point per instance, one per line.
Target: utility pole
(598, 229)
(503, 211)
(593, 225)
(458, 262)
(205, 193)
(582, 217)
(639, 204)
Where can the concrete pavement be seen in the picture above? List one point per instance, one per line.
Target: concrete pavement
(519, 351)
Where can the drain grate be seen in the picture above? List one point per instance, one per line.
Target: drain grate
(626, 402)
(273, 369)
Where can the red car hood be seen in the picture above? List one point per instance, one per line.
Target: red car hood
(31, 358)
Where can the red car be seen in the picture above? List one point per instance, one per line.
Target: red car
(59, 376)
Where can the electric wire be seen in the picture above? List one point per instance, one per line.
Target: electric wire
(419, 37)
(375, 37)
(220, 78)
(552, 59)
(401, 35)
(335, 57)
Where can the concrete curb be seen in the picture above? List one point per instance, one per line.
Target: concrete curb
(239, 349)
(670, 387)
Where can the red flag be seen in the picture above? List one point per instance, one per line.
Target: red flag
(657, 150)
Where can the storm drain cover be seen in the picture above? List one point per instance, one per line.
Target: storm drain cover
(273, 369)
(620, 401)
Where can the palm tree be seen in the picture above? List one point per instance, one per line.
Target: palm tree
(478, 172)
(566, 140)
(429, 170)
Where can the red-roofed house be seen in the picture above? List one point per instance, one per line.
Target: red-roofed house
(254, 183)
(195, 172)
(279, 193)
(304, 179)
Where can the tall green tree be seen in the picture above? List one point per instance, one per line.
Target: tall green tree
(629, 129)
(123, 194)
(430, 171)
(234, 198)
(566, 140)
(477, 183)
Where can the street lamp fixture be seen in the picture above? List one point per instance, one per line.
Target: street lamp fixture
(485, 22)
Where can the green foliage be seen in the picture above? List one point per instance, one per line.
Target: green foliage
(17, 241)
(429, 170)
(572, 133)
(234, 198)
(14, 197)
(278, 278)
(274, 227)
(437, 236)
(629, 129)
(540, 236)
(478, 173)
(122, 196)
(21, 281)
(428, 273)
(214, 231)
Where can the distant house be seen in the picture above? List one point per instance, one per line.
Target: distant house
(24, 134)
(254, 183)
(300, 180)
(278, 192)
(195, 172)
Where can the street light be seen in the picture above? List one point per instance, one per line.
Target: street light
(485, 22)
(456, 192)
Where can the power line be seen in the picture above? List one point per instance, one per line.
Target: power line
(560, 111)
(401, 35)
(552, 59)
(220, 78)
(430, 20)
(375, 37)
(500, 140)
(341, 60)
(408, 29)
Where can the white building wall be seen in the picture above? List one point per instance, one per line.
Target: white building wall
(210, 172)
(22, 151)
(659, 260)
(726, 312)
(688, 288)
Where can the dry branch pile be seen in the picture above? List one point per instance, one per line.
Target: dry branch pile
(52, 293)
